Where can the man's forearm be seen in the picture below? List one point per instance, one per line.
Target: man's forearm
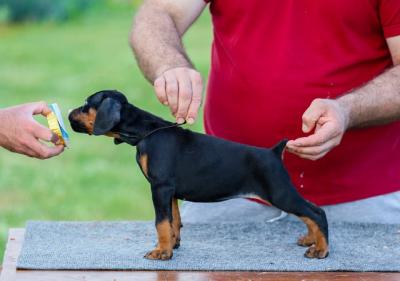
(156, 42)
(377, 102)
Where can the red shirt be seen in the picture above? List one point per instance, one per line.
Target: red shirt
(271, 58)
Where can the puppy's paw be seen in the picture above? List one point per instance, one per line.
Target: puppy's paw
(313, 252)
(159, 254)
(305, 241)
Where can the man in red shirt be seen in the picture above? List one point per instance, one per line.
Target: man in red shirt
(324, 74)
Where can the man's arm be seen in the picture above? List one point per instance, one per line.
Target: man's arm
(376, 103)
(20, 133)
(156, 42)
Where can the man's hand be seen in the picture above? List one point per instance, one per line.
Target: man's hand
(20, 133)
(330, 121)
(156, 40)
(181, 89)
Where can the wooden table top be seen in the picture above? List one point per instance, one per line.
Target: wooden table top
(16, 237)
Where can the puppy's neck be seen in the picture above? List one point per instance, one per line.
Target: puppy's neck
(137, 123)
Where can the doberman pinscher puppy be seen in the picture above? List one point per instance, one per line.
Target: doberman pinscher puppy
(181, 164)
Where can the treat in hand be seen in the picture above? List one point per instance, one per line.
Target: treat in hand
(56, 124)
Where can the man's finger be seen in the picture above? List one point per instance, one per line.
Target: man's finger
(310, 157)
(184, 97)
(314, 150)
(56, 150)
(171, 88)
(159, 86)
(326, 132)
(22, 149)
(197, 89)
(40, 107)
(52, 151)
(43, 151)
(311, 115)
(44, 133)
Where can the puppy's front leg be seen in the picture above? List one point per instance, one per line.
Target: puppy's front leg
(162, 200)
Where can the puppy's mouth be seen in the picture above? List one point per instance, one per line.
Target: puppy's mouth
(79, 128)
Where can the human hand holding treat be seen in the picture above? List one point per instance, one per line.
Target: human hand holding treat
(21, 133)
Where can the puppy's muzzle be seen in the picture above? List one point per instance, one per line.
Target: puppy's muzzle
(76, 124)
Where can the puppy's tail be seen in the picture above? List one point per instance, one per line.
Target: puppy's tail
(279, 148)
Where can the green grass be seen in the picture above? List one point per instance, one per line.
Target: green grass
(64, 63)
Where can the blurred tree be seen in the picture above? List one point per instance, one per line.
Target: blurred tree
(40, 10)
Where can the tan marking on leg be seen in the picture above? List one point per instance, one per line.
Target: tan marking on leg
(144, 161)
(176, 223)
(320, 248)
(309, 238)
(163, 251)
(164, 232)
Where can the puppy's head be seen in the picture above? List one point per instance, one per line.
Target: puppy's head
(100, 113)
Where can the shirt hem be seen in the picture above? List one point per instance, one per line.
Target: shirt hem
(391, 30)
(334, 200)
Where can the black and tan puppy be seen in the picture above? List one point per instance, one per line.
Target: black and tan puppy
(181, 164)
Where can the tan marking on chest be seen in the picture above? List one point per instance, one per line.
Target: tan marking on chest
(113, 135)
(144, 161)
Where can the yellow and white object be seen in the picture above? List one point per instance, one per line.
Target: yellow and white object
(56, 124)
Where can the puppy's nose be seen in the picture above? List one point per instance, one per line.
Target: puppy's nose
(70, 115)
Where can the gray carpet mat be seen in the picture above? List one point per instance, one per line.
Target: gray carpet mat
(250, 247)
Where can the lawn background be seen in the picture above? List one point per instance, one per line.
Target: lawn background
(64, 63)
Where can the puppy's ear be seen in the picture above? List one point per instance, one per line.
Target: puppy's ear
(108, 115)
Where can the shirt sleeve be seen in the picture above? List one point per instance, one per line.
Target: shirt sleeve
(389, 11)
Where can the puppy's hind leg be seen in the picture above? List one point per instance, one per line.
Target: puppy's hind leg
(286, 198)
(317, 225)
(162, 200)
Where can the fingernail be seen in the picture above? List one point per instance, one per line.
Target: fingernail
(190, 121)
(165, 103)
(54, 138)
(305, 128)
(180, 120)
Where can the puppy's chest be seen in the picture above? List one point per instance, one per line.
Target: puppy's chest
(142, 158)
